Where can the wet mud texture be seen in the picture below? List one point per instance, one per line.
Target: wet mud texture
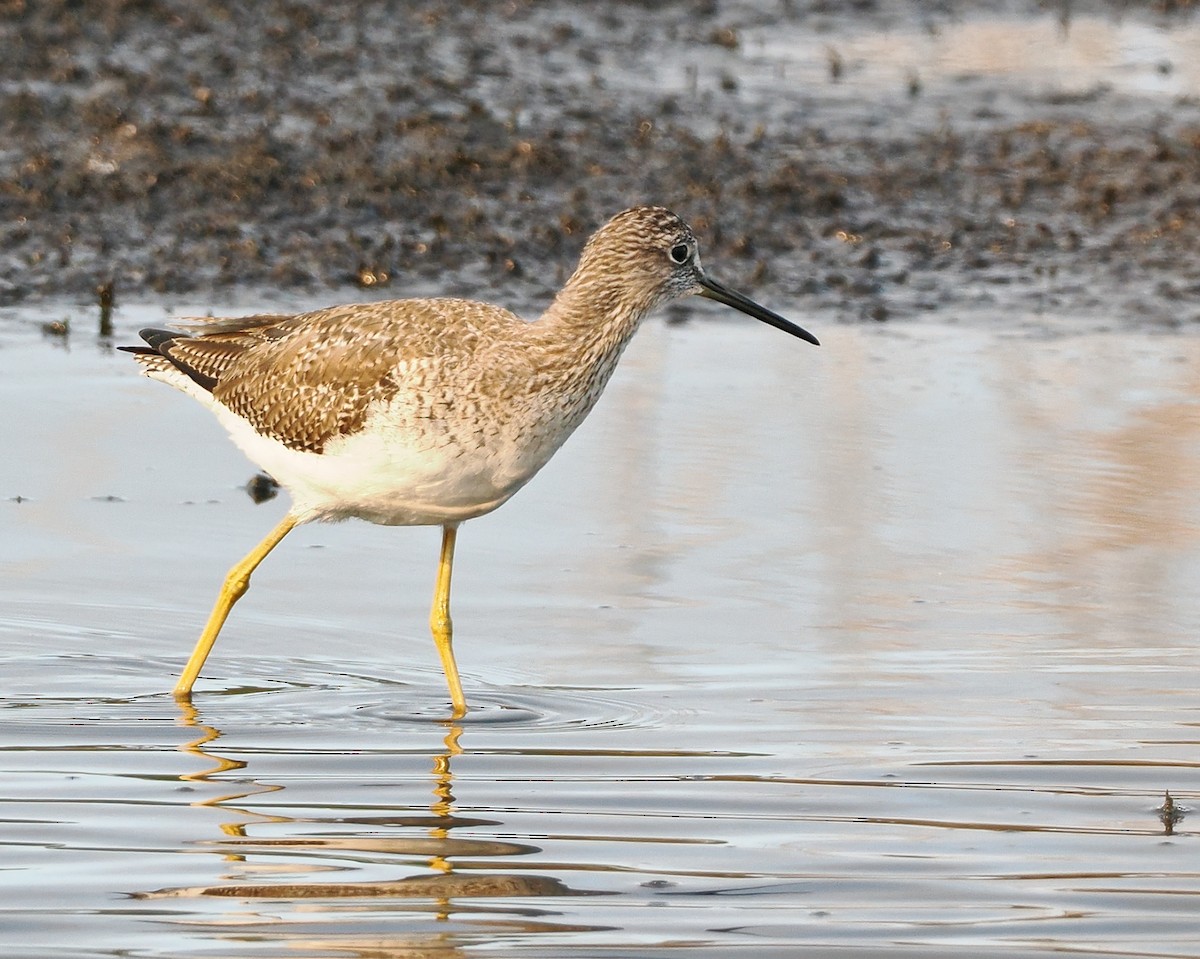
(469, 147)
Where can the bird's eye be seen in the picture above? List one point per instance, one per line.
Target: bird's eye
(679, 253)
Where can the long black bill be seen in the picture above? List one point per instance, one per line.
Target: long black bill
(722, 294)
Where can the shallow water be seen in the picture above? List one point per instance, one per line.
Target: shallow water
(889, 646)
(1063, 55)
(972, 69)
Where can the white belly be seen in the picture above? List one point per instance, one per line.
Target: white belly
(388, 473)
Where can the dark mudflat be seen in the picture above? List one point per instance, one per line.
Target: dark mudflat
(467, 148)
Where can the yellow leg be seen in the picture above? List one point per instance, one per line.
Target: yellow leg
(439, 621)
(236, 583)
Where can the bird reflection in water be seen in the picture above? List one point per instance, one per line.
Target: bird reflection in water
(452, 876)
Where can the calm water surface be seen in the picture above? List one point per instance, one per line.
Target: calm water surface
(887, 647)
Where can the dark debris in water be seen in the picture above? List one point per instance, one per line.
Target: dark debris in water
(261, 488)
(168, 148)
(1171, 813)
(57, 329)
(106, 295)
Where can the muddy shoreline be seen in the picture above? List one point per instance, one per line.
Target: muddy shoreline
(469, 148)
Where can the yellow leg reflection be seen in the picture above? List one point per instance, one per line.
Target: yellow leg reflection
(443, 801)
(236, 583)
(190, 717)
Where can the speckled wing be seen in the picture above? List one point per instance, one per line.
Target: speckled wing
(305, 380)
